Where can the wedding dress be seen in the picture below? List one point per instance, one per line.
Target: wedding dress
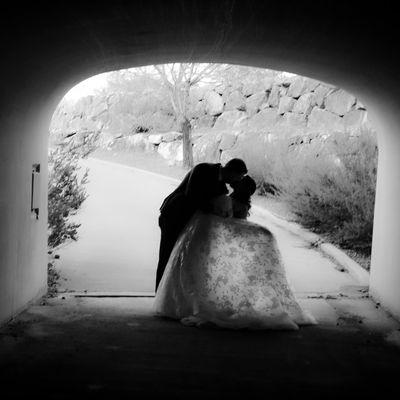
(228, 272)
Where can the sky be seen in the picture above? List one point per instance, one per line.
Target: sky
(87, 87)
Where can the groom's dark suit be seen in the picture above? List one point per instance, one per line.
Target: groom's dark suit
(199, 186)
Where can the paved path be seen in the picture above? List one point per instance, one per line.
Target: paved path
(118, 241)
(117, 250)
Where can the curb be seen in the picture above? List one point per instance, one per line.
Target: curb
(353, 268)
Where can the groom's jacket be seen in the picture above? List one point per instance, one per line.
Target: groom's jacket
(199, 186)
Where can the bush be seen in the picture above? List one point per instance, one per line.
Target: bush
(66, 195)
(327, 181)
(52, 278)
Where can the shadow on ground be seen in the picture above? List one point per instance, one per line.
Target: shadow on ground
(114, 347)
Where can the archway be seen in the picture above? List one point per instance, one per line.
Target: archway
(50, 52)
(117, 251)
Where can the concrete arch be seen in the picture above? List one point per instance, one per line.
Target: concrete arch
(48, 49)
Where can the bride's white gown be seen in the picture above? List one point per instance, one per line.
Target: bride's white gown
(229, 272)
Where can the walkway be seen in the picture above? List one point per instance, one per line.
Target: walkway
(117, 250)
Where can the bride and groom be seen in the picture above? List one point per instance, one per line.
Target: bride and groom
(215, 267)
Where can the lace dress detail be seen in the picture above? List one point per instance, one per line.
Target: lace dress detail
(229, 272)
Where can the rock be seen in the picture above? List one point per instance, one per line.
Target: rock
(98, 107)
(305, 104)
(228, 140)
(171, 151)
(297, 87)
(274, 97)
(323, 121)
(228, 118)
(241, 121)
(248, 143)
(302, 85)
(311, 84)
(290, 124)
(263, 120)
(339, 102)
(359, 105)
(226, 156)
(198, 93)
(251, 87)
(320, 93)
(285, 79)
(206, 148)
(253, 103)
(171, 136)
(214, 103)
(220, 89)
(205, 121)
(155, 138)
(106, 139)
(198, 133)
(199, 109)
(150, 147)
(355, 120)
(120, 123)
(286, 104)
(235, 101)
(267, 83)
(137, 141)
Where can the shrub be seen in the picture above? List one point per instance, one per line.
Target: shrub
(327, 181)
(331, 187)
(52, 278)
(66, 195)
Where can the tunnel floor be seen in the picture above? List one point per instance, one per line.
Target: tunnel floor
(88, 347)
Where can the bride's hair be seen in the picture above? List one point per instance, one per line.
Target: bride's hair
(243, 190)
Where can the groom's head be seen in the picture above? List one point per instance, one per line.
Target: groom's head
(234, 170)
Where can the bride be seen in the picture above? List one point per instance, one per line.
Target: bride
(228, 272)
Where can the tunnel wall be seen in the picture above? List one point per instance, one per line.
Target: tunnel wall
(23, 272)
(47, 48)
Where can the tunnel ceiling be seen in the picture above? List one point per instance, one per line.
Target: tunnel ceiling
(74, 40)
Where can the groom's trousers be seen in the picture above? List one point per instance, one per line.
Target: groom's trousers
(170, 227)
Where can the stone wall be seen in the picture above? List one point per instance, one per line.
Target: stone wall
(224, 117)
(281, 107)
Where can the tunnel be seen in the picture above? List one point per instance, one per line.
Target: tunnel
(47, 48)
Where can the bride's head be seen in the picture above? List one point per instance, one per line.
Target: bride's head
(244, 188)
(242, 192)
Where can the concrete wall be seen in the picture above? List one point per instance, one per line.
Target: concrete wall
(47, 49)
(385, 269)
(23, 274)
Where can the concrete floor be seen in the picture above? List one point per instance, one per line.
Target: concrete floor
(102, 347)
(115, 347)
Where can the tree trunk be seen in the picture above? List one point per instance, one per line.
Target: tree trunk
(186, 129)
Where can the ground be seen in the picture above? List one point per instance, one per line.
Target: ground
(117, 249)
(77, 347)
(155, 163)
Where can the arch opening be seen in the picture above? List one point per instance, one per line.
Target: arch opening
(294, 41)
(245, 108)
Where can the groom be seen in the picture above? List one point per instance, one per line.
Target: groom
(202, 183)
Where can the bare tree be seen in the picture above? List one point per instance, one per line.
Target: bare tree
(178, 79)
